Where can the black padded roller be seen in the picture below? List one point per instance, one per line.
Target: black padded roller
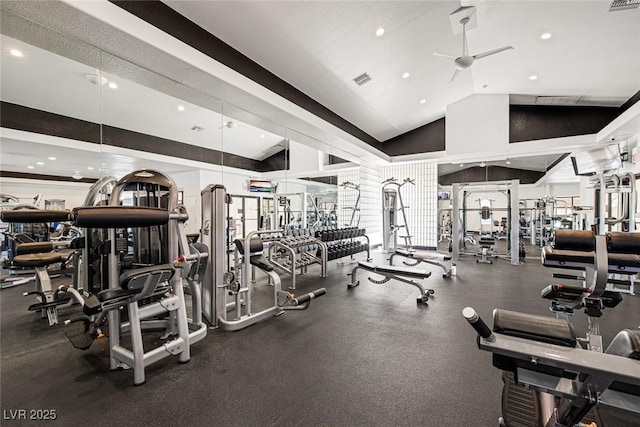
(619, 242)
(575, 240)
(255, 246)
(119, 216)
(34, 215)
(308, 297)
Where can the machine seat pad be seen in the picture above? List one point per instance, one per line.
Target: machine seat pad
(539, 328)
(563, 255)
(110, 294)
(400, 271)
(622, 261)
(563, 292)
(486, 241)
(136, 279)
(616, 261)
(34, 248)
(261, 262)
(37, 259)
(626, 344)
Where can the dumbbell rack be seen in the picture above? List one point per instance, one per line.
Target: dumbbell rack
(291, 253)
(343, 242)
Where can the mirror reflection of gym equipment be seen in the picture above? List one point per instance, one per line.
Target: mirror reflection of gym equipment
(392, 204)
(616, 202)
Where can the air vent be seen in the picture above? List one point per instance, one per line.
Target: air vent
(362, 79)
(623, 4)
(557, 100)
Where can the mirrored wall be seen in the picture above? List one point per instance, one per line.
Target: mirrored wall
(73, 114)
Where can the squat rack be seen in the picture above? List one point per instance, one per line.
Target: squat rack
(459, 208)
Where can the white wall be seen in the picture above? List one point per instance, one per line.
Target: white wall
(371, 202)
(478, 124)
(303, 158)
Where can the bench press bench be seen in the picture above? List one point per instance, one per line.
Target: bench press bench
(401, 274)
(433, 258)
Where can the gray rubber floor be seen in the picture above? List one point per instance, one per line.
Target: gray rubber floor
(363, 356)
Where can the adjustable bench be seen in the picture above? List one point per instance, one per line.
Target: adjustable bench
(432, 258)
(400, 274)
(540, 354)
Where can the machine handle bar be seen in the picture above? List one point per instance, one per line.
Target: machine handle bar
(478, 324)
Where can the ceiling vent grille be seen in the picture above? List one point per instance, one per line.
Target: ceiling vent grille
(623, 4)
(362, 79)
(557, 100)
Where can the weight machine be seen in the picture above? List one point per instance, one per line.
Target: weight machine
(615, 195)
(353, 222)
(309, 215)
(460, 193)
(220, 281)
(391, 198)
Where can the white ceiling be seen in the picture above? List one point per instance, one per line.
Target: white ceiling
(319, 47)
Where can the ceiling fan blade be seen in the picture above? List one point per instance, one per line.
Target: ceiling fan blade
(455, 74)
(443, 55)
(492, 52)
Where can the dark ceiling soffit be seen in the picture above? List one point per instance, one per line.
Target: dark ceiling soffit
(493, 173)
(558, 160)
(624, 107)
(42, 177)
(533, 122)
(171, 22)
(424, 139)
(13, 116)
(335, 160)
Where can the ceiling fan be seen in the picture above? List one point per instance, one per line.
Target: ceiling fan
(465, 61)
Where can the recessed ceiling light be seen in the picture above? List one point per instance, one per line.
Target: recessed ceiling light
(76, 175)
(29, 167)
(406, 75)
(52, 158)
(262, 135)
(39, 163)
(508, 162)
(16, 52)
(422, 101)
(545, 36)
(379, 31)
(533, 77)
(461, 164)
(484, 86)
(113, 85)
(180, 107)
(197, 128)
(90, 168)
(96, 79)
